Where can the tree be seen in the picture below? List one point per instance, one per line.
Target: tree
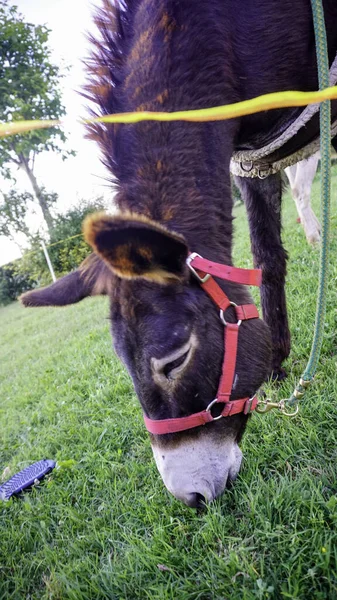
(29, 89)
(13, 212)
(67, 247)
(14, 208)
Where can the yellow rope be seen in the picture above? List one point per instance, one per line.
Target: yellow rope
(40, 249)
(218, 113)
(66, 240)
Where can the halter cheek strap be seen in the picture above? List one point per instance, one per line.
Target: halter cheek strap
(203, 270)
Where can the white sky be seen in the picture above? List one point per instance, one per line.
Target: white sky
(81, 176)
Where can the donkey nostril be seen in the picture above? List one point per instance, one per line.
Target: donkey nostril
(195, 500)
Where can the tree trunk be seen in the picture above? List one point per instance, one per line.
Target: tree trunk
(38, 193)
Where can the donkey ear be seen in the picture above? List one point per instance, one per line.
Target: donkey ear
(134, 246)
(92, 278)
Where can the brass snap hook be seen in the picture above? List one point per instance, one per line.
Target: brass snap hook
(265, 406)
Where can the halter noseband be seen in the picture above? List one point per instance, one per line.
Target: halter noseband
(203, 270)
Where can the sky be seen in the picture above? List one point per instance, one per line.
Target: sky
(82, 176)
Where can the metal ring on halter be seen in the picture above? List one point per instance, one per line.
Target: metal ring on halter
(188, 262)
(208, 409)
(223, 318)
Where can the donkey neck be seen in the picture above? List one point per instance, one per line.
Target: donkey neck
(180, 178)
(178, 173)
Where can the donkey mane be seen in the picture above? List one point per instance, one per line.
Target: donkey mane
(160, 170)
(105, 75)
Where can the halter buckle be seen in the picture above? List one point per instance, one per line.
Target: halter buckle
(188, 262)
(248, 405)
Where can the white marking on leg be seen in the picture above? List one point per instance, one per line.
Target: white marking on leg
(300, 178)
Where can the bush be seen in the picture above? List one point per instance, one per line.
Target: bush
(66, 248)
(13, 283)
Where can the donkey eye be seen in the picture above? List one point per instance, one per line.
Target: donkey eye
(172, 368)
(167, 369)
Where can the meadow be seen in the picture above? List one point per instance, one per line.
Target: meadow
(102, 525)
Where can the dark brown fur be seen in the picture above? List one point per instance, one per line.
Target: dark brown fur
(171, 55)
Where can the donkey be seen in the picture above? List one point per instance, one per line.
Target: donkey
(173, 196)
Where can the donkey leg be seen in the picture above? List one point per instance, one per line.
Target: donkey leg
(300, 178)
(263, 202)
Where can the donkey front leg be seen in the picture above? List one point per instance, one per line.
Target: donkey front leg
(263, 202)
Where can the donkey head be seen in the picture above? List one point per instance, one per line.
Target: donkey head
(169, 335)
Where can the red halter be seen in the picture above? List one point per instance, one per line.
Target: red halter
(203, 270)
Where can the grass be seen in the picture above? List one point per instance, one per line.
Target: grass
(102, 526)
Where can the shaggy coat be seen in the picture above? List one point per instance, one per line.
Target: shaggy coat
(173, 195)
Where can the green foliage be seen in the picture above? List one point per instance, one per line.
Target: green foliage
(14, 209)
(66, 248)
(13, 212)
(13, 283)
(29, 87)
(67, 255)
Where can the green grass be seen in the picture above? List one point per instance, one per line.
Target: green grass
(103, 525)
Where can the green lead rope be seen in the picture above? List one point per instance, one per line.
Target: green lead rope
(325, 147)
